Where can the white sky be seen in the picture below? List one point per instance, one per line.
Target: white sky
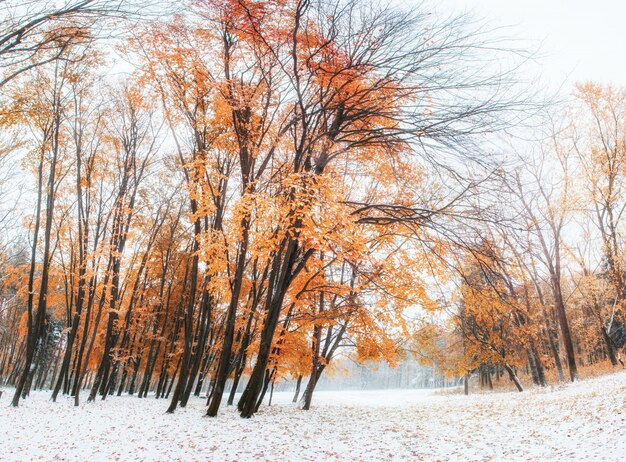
(578, 39)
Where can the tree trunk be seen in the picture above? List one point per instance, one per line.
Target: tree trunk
(609, 346)
(298, 383)
(513, 377)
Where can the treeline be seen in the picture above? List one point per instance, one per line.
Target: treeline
(277, 182)
(543, 288)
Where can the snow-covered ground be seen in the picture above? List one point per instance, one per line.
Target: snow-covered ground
(582, 421)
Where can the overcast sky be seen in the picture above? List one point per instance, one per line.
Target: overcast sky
(579, 39)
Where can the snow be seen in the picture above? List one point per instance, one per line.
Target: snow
(581, 421)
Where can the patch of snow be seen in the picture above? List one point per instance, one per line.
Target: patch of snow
(583, 421)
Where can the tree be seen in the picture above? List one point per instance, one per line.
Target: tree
(35, 33)
(547, 211)
(45, 114)
(596, 132)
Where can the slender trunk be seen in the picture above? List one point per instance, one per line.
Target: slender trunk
(513, 377)
(308, 392)
(533, 366)
(609, 346)
(565, 332)
(282, 274)
(42, 302)
(223, 368)
(271, 393)
(298, 383)
(31, 334)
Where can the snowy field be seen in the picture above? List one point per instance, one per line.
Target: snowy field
(582, 421)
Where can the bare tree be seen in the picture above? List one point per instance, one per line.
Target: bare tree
(548, 201)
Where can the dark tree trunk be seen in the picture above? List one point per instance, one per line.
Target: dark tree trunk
(609, 346)
(297, 393)
(281, 275)
(533, 367)
(315, 363)
(224, 364)
(35, 332)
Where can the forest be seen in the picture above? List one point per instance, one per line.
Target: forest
(202, 200)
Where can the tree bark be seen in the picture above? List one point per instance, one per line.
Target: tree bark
(513, 377)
